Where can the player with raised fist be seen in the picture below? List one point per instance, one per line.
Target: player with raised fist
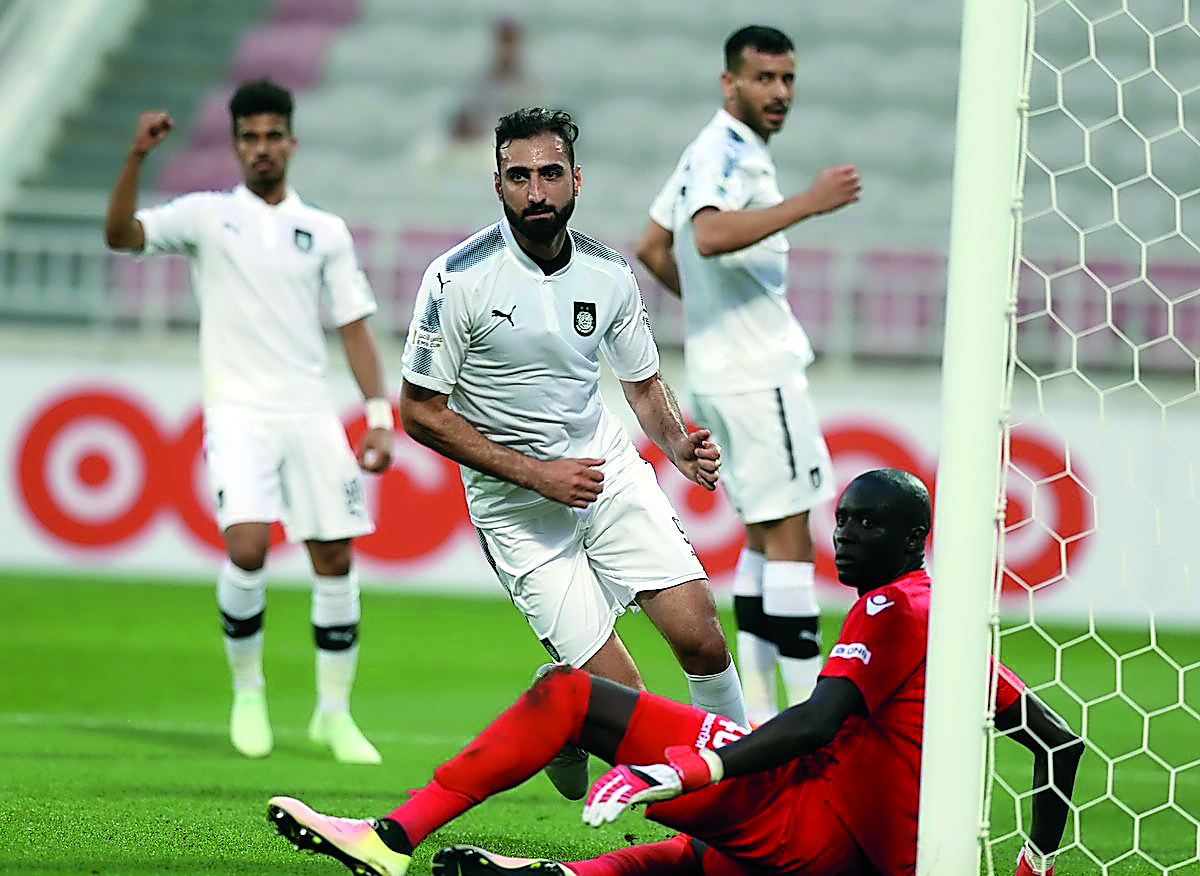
(263, 262)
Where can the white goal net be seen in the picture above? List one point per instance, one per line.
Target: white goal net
(1100, 609)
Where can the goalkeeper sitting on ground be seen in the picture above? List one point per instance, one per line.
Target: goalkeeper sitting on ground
(829, 786)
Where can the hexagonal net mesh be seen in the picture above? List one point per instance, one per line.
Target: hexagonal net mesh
(1100, 594)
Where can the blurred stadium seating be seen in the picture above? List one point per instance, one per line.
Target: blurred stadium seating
(876, 87)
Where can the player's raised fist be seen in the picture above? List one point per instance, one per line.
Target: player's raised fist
(152, 129)
(835, 187)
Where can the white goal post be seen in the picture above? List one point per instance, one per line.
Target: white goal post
(979, 276)
(1072, 324)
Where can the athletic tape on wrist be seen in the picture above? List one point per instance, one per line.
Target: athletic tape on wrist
(379, 414)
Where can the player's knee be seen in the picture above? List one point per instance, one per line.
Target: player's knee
(330, 558)
(247, 556)
(704, 653)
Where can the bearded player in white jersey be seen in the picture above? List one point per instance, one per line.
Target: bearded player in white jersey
(263, 263)
(501, 374)
(715, 237)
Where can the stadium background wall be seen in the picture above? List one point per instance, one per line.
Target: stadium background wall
(104, 468)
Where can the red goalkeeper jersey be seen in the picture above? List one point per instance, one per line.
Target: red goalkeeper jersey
(875, 764)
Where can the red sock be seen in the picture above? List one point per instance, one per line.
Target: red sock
(512, 748)
(673, 857)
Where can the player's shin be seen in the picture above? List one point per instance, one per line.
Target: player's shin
(511, 749)
(789, 601)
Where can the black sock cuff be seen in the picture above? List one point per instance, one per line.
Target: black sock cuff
(241, 627)
(796, 637)
(392, 834)
(750, 618)
(339, 638)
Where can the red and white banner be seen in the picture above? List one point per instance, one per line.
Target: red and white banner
(105, 470)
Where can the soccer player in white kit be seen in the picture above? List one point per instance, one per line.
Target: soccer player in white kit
(716, 233)
(263, 262)
(501, 374)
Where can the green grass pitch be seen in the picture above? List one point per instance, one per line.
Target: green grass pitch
(114, 698)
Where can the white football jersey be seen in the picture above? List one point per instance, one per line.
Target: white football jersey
(262, 273)
(517, 352)
(741, 334)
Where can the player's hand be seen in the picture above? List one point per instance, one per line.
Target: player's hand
(834, 187)
(622, 786)
(699, 458)
(574, 482)
(152, 129)
(375, 450)
(1025, 869)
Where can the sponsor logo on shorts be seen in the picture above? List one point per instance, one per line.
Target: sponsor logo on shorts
(851, 651)
(814, 477)
(551, 650)
(353, 490)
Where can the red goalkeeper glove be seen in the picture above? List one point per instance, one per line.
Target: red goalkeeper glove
(1027, 859)
(622, 786)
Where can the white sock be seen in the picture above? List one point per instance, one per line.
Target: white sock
(788, 591)
(335, 603)
(245, 661)
(335, 677)
(720, 693)
(335, 600)
(757, 657)
(799, 677)
(240, 595)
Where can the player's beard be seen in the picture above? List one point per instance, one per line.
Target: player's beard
(541, 230)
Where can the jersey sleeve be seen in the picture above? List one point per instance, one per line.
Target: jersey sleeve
(877, 652)
(173, 227)
(717, 178)
(662, 208)
(1009, 685)
(345, 285)
(439, 333)
(628, 345)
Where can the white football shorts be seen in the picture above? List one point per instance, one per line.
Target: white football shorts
(294, 468)
(774, 460)
(572, 572)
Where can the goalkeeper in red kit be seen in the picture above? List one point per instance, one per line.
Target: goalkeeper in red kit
(829, 786)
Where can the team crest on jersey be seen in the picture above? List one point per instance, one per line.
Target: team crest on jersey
(303, 239)
(585, 317)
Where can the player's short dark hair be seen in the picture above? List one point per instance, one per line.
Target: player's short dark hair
(260, 96)
(767, 40)
(910, 491)
(531, 121)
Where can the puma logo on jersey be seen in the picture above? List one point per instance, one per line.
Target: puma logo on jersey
(877, 603)
(502, 315)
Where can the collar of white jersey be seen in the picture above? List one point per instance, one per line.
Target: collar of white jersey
(522, 258)
(729, 120)
(243, 194)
